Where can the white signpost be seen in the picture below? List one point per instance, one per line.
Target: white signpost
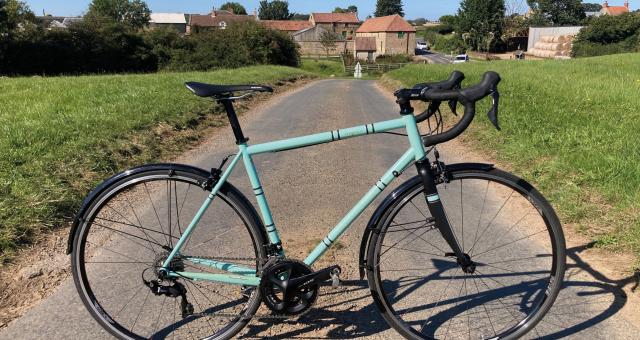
(358, 72)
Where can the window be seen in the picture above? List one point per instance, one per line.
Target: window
(400, 35)
(344, 34)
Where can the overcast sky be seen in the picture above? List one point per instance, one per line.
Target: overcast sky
(430, 9)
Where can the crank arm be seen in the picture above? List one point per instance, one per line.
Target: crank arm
(314, 278)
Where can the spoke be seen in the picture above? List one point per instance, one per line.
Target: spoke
(454, 308)
(440, 299)
(128, 301)
(155, 328)
(462, 211)
(499, 300)
(126, 238)
(169, 213)
(402, 239)
(139, 222)
(138, 227)
(182, 207)
(521, 273)
(510, 243)
(420, 211)
(508, 231)
(155, 211)
(113, 251)
(416, 251)
(119, 262)
(491, 222)
(484, 202)
(140, 312)
(200, 307)
(484, 307)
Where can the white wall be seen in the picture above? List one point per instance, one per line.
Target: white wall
(536, 32)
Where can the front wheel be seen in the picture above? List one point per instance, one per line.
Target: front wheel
(503, 224)
(127, 229)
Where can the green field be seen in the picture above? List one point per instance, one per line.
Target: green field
(62, 135)
(325, 67)
(572, 128)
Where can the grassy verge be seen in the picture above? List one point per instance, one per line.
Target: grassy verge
(323, 67)
(62, 135)
(573, 128)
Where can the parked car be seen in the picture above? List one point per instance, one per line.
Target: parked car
(422, 45)
(461, 58)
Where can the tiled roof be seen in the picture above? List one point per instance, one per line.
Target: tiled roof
(392, 23)
(287, 25)
(168, 18)
(366, 44)
(345, 18)
(615, 10)
(209, 21)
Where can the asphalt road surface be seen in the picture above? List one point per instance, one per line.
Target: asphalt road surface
(435, 57)
(309, 190)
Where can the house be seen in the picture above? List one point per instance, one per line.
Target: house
(176, 21)
(50, 22)
(614, 10)
(392, 34)
(344, 24)
(217, 19)
(288, 26)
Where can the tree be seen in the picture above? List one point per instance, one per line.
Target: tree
(480, 23)
(419, 21)
(328, 40)
(274, 10)
(591, 7)
(557, 12)
(299, 16)
(234, 7)
(133, 13)
(350, 9)
(513, 7)
(4, 25)
(389, 7)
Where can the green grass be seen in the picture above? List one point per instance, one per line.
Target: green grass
(323, 67)
(572, 128)
(61, 136)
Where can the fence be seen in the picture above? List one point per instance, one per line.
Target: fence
(376, 68)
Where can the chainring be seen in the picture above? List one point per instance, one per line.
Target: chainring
(278, 296)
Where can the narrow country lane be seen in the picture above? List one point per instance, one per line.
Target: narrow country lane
(309, 191)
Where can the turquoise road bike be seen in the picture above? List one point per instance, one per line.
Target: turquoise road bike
(458, 251)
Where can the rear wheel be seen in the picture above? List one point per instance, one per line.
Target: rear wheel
(127, 232)
(508, 230)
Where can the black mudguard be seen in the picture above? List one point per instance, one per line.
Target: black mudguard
(389, 200)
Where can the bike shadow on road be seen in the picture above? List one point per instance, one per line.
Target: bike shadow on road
(588, 300)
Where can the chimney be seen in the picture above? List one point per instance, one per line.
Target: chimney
(255, 13)
(626, 4)
(605, 4)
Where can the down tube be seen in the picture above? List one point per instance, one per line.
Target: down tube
(404, 162)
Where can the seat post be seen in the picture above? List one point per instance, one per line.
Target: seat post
(233, 120)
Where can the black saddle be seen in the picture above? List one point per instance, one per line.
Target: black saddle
(208, 90)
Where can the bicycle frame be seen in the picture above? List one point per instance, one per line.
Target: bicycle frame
(239, 275)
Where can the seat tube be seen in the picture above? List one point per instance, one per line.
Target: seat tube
(430, 190)
(258, 191)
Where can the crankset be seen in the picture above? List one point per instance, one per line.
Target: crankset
(291, 287)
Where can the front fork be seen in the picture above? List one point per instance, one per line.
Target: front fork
(437, 212)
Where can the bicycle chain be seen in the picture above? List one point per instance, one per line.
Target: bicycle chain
(246, 317)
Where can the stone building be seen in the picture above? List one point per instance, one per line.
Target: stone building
(217, 19)
(344, 24)
(392, 34)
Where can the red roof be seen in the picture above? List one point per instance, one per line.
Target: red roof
(209, 21)
(287, 25)
(615, 10)
(329, 18)
(392, 23)
(366, 44)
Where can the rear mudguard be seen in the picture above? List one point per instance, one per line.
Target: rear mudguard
(227, 187)
(390, 199)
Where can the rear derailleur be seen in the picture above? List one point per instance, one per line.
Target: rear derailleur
(162, 286)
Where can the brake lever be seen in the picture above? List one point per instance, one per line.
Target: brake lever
(493, 113)
(453, 104)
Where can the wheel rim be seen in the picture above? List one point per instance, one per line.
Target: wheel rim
(512, 243)
(127, 234)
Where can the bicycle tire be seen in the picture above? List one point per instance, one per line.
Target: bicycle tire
(390, 298)
(93, 295)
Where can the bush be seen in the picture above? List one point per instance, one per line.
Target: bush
(393, 59)
(449, 44)
(241, 44)
(83, 48)
(608, 35)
